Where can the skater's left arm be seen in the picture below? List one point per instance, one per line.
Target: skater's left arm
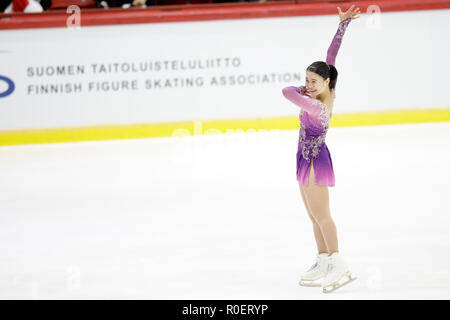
(345, 18)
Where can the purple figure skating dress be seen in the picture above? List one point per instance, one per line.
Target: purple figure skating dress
(314, 124)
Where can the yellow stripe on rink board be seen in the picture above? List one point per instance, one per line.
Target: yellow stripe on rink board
(390, 117)
(199, 127)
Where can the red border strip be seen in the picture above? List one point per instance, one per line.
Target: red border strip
(177, 13)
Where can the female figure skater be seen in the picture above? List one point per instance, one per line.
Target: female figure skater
(314, 166)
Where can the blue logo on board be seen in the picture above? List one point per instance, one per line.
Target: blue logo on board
(10, 87)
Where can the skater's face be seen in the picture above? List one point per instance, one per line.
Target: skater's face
(316, 84)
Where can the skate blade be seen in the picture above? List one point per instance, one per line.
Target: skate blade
(309, 283)
(331, 287)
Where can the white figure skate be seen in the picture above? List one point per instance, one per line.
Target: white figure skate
(336, 271)
(316, 272)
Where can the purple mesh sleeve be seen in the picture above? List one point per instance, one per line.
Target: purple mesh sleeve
(310, 105)
(336, 42)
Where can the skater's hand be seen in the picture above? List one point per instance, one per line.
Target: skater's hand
(303, 91)
(354, 14)
(307, 93)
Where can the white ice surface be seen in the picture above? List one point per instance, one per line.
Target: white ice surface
(221, 217)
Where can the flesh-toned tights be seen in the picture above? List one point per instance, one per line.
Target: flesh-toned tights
(316, 200)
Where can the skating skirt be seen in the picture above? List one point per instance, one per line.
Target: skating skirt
(323, 168)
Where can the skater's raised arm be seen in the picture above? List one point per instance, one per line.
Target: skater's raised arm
(296, 95)
(336, 42)
(337, 39)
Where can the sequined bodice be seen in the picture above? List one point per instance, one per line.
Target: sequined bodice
(313, 132)
(314, 116)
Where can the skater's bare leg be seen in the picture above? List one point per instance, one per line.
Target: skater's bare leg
(317, 198)
(320, 241)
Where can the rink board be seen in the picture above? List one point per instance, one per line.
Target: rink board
(159, 79)
(186, 128)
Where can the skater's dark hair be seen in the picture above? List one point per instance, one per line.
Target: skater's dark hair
(325, 71)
